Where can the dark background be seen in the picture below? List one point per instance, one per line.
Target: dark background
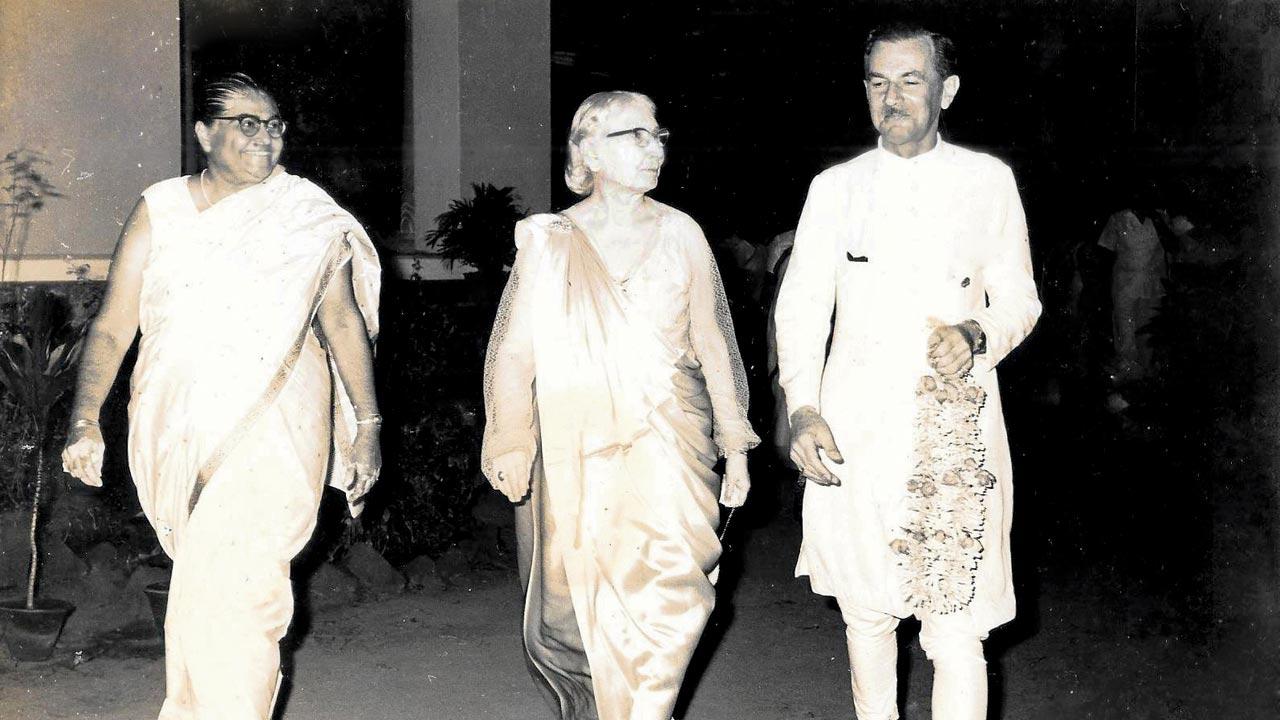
(337, 69)
(762, 94)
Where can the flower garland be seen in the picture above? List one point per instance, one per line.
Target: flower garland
(945, 514)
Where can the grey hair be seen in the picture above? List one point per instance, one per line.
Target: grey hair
(595, 108)
(943, 47)
(213, 96)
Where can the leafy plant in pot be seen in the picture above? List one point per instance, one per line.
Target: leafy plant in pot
(479, 231)
(37, 368)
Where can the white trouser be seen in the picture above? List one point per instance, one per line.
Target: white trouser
(959, 669)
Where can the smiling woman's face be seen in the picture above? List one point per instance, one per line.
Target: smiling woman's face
(233, 156)
(631, 160)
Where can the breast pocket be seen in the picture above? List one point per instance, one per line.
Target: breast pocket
(859, 302)
(856, 278)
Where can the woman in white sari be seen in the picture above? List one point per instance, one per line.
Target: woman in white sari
(256, 296)
(612, 384)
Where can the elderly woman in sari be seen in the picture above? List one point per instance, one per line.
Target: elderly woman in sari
(612, 385)
(253, 290)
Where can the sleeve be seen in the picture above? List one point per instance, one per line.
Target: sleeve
(716, 347)
(802, 317)
(366, 275)
(1013, 304)
(1111, 233)
(510, 420)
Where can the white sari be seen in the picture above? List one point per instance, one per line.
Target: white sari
(235, 419)
(623, 390)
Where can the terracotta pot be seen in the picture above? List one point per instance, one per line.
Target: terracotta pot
(31, 634)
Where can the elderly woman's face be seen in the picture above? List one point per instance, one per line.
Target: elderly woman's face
(239, 157)
(627, 151)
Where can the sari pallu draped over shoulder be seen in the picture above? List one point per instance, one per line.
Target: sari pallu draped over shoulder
(226, 311)
(618, 539)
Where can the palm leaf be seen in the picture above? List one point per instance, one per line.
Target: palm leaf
(478, 231)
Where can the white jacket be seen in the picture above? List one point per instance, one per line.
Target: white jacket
(890, 244)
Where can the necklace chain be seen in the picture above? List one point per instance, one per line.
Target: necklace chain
(204, 194)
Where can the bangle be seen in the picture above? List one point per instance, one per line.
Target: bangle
(371, 420)
(83, 422)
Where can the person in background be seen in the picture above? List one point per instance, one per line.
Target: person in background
(1133, 233)
(778, 257)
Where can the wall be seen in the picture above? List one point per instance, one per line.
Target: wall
(435, 153)
(94, 85)
(506, 96)
(482, 102)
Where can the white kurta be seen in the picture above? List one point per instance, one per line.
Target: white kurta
(890, 244)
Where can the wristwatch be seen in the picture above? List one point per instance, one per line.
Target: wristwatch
(976, 337)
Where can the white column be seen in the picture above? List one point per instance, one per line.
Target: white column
(481, 100)
(506, 96)
(437, 134)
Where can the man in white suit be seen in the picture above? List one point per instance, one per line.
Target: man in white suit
(920, 247)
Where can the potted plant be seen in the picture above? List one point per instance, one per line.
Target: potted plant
(37, 368)
(479, 231)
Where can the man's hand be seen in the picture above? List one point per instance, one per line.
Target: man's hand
(511, 475)
(810, 435)
(366, 456)
(736, 482)
(82, 457)
(950, 349)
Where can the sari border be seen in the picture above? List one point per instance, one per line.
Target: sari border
(274, 387)
(620, 283)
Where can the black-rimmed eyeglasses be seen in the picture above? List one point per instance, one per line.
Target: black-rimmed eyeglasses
(642, 136)
(250, 124)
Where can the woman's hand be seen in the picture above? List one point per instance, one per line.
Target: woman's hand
(736, 482)
(366, 457)
(511, 475)
(82, 457)
(107, 339)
